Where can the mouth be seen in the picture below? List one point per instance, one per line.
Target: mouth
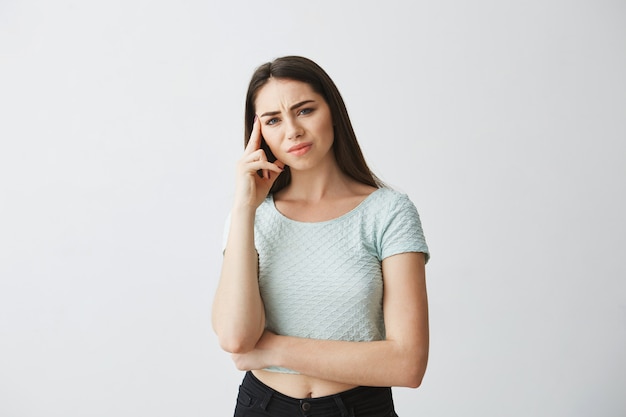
(300, 149)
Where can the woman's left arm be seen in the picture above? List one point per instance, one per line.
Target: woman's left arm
(399, 360)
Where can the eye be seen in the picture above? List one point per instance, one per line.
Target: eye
(305, 111)
(272, 121)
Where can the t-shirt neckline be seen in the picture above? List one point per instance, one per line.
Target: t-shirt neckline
(338, 218)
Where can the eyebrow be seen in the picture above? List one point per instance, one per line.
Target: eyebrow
(295, 106)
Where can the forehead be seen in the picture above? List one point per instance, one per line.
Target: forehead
(277, 93)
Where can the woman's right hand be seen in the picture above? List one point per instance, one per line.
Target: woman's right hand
(238, 314)
(251, 189)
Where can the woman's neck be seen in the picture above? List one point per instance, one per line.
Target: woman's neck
(327, 181)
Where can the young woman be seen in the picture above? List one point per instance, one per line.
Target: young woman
(322, 295)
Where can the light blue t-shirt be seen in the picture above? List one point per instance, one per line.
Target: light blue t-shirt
(323, 280)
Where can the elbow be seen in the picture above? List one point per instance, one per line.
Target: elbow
(414, 372)
(414, 380)
(236, 343)
(235, 347)
(235, 339)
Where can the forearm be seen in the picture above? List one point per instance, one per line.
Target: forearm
(400, 360)
(379, 363)
(238, 315)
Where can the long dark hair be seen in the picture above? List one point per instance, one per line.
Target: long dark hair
(346, 148)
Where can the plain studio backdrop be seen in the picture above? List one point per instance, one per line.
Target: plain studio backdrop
(121, 122)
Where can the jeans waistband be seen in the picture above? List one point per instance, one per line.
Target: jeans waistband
(340, 404)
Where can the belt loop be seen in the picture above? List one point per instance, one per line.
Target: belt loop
(342, 407)
(266, 399)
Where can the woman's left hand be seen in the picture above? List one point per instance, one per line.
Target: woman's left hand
(259, 357)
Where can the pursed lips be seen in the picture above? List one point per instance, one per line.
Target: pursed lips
(299, 148)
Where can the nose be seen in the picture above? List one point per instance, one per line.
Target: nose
(294, 130)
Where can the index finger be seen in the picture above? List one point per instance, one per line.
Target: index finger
(254, 142)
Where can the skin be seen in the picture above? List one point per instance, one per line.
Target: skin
(297, 126)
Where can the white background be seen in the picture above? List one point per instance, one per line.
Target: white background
(121, 121)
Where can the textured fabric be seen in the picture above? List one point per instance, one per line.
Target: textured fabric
(323, 280)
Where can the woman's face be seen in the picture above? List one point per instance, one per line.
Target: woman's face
(296, 123)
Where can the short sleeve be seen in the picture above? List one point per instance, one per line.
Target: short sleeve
(402, 230)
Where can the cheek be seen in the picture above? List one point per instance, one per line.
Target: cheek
(270, 139)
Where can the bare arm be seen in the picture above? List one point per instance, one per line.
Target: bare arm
(399, 360)
(238, 316)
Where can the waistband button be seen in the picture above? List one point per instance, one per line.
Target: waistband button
(306, 406)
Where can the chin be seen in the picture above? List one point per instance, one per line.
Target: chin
(301, 165)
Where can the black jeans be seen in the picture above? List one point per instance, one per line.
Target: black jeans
(256, 399)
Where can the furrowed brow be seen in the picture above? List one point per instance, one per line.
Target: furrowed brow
(270, 113)
(295, 106)
(300, 104)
